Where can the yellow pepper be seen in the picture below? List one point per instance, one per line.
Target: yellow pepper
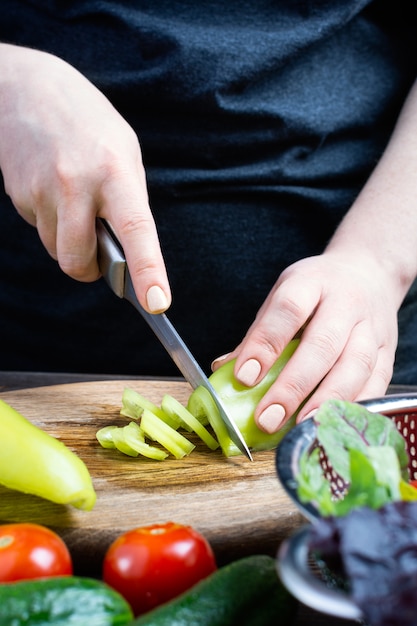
(34, 462)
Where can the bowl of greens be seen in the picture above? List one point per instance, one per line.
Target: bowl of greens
(352, 469)
(349, 453)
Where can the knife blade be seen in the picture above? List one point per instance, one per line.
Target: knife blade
(115, 271)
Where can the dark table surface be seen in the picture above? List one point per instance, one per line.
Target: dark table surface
(22, 380)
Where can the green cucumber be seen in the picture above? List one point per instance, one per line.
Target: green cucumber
(62, 601)
(247, 591)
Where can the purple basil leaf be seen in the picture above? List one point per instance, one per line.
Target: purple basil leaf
(378, 552)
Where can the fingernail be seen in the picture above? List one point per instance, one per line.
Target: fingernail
(219, 360)
(271, 419)
(156, 299)
(249, 372)
(306, 417)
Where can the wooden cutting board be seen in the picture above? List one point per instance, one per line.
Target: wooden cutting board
(237, 504)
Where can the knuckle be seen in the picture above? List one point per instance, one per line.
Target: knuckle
(115, 162)
(109, 165)
(67, 175)
(327, 342)
(36, 192)
(78, 269)
(134, 224)
(384, 368)
(265, 344)
(366, 360)
(322, 351)
(382, 377)
(290, 309)
(296, 389)
(72, 266)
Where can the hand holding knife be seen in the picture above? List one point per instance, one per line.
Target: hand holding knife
(114, 268)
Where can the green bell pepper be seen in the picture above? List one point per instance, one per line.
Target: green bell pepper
(240, 403)
(34, 462)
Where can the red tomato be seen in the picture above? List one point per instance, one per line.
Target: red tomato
(413, 483)
(153, 564)
(32, 551)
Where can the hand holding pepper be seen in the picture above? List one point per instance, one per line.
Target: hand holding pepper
(346, 300)
(346, 349)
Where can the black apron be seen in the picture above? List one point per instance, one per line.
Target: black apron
(259, 122)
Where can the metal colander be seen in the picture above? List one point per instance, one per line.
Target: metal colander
(296, 567)
(401, 408)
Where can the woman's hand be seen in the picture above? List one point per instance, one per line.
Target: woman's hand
(67, 157)
(346, 300)
(347, 348)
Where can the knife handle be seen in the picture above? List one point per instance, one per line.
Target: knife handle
(111, 260)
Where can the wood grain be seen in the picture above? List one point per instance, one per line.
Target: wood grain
(239, 506)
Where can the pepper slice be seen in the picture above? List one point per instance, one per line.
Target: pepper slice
(130, 440)
(175, 409)
(168, 437)
(240, 403)
(34, 462)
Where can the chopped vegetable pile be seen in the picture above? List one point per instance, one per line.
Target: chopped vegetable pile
(158, 431)
(154, 424)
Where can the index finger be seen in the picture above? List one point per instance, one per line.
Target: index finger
(126, 205)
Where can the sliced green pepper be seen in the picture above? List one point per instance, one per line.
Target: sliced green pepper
(240, 403)
(168, 437)
(174, 408)
(130, 440)
(34, 462)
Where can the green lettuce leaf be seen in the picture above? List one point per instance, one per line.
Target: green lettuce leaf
(367, 452)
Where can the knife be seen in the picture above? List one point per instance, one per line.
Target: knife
(114, 269)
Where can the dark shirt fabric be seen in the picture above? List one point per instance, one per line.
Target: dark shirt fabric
(259, 122)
